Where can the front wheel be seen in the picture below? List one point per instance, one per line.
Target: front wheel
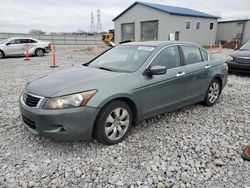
(39, 52)
(213, 93)
(113, 123)
(1, 54)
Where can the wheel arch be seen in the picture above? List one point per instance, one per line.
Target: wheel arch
(3, 52)
(219, 78)
(130, 102)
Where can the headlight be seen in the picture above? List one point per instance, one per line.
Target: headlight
(70, 101)
(229, 58)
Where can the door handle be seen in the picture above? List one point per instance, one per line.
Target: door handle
(207, 66)
(180, 74)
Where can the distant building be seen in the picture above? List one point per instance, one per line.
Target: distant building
(145, 21)
(233, 30)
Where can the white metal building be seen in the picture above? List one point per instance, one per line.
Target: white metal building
(146, 21)
(233, 30)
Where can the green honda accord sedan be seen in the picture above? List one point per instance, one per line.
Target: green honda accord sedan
(127, 83)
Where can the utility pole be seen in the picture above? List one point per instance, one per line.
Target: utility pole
(99, 23)
(92, 26)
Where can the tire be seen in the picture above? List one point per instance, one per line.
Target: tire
(113, 123)
(213, 93)
(39, 52)
(1, 54)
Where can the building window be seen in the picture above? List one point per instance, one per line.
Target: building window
(198, 25)
(128, 32)
(149, 30)
(211, 26)
(188, 24)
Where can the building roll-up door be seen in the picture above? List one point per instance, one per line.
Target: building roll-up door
(128, 32)
(149, 30)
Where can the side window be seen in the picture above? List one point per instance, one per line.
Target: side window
(24, 41)
(204, 55)
(32, 41)
(168, 57)
(16, 41)
(12, 42)
(191, 54)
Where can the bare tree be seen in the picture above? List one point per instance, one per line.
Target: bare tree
(36, 31)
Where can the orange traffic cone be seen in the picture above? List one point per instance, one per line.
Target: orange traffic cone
(53, 57)
(236, 46)
(211, 48)
(220, 47)
(27, 56)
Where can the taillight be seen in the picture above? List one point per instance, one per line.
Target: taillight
(49, 46)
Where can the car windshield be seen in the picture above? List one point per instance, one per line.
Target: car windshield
(4, 41)
(123, 58)
(245, 46)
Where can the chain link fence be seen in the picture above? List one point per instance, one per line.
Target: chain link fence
(59, 39)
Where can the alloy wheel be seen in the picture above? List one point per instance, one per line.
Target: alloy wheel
(117, 123)
(213, 92)
(39, 52)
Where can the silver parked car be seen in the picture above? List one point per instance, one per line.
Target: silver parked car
(18, 46)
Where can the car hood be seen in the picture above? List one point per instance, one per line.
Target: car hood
(241, 54)
(49, 85)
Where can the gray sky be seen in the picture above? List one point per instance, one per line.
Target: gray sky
(71, 15)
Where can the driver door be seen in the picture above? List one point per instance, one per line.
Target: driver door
(15, 47)
(164, 92)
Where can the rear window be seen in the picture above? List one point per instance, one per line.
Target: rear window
(191, 54)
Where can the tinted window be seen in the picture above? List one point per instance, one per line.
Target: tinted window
(25, 41)
(32, 41)
(204, 55)
(168, 57)
(191, 54)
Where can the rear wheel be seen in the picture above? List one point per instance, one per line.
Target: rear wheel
(213, 93)
(39, 52)
(113, 123)
(1, 54)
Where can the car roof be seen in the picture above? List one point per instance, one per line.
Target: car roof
(13, 38)
(160, 43)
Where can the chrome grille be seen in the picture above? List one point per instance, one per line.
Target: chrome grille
(31, 100)
(242, 60)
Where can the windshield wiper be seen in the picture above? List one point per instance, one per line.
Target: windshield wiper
(107, 69)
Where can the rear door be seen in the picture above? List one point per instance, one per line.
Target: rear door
(164, 92)
(197, 69)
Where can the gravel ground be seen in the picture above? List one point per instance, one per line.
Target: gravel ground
(195, 146)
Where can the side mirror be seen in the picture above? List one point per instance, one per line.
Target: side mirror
(7, 44)
(156, 70)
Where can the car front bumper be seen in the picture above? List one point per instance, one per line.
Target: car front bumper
(238, 67)
(64, 125)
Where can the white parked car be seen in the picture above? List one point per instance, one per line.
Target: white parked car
(18, 46)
